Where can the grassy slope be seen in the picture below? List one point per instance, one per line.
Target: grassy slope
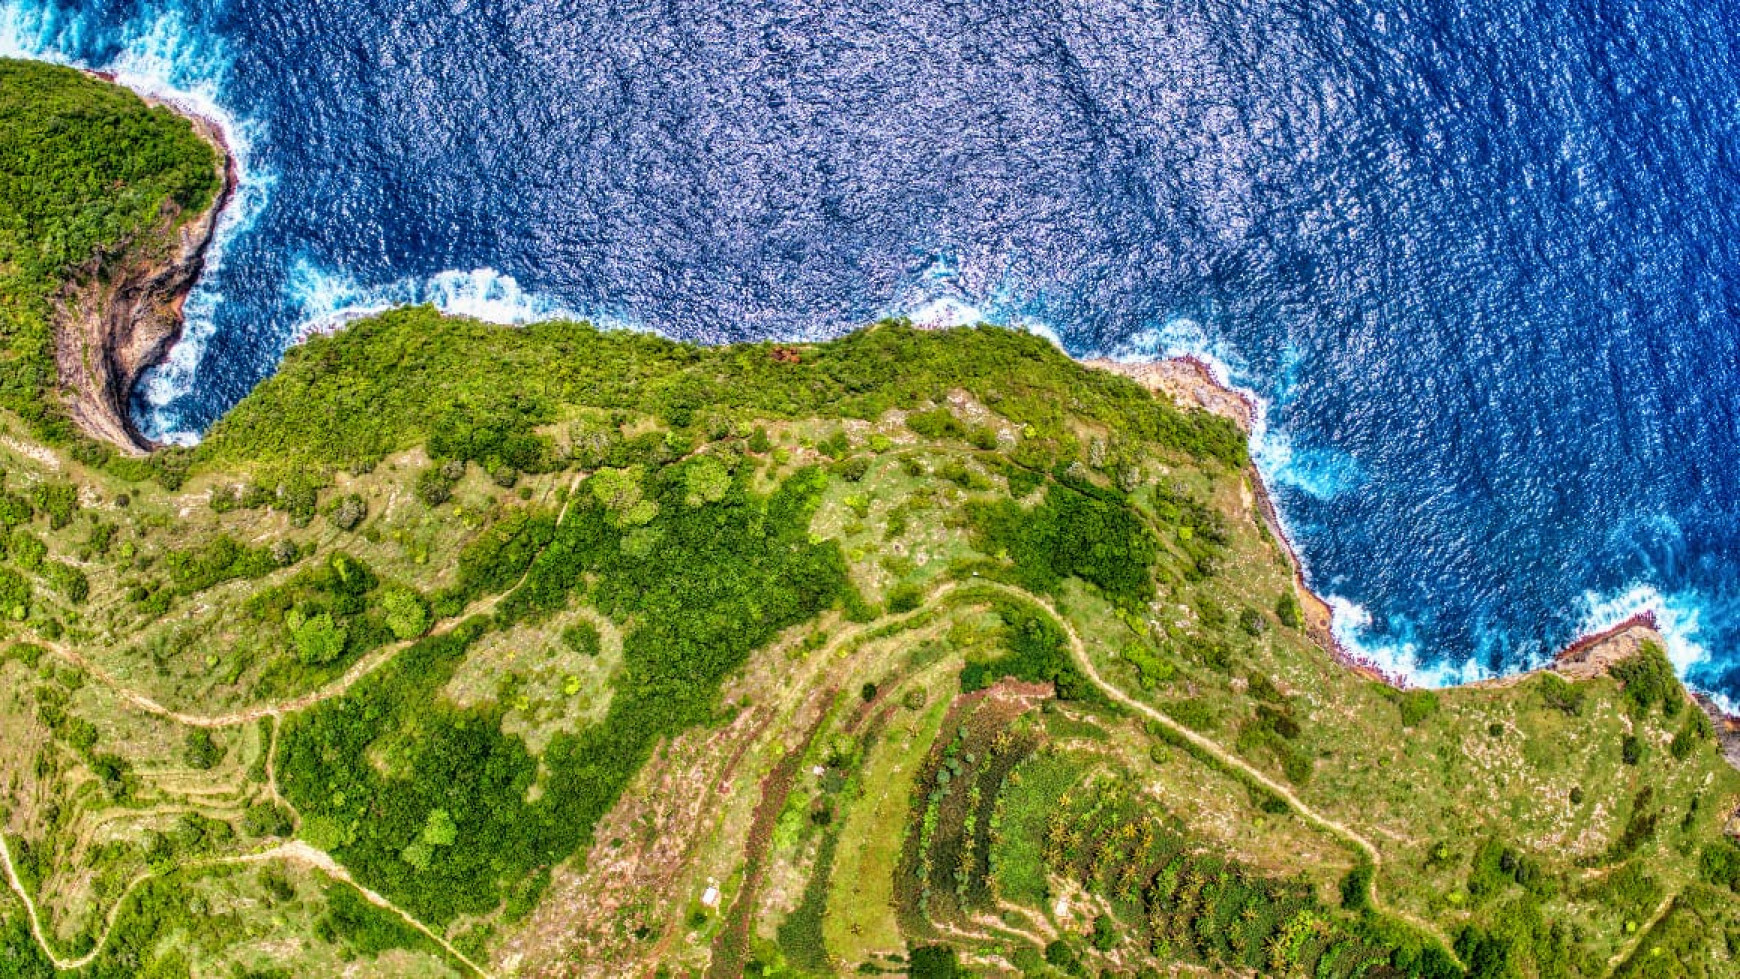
(1210, 645)
(380, 386)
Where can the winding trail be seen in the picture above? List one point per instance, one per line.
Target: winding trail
(294, 851)
(1078, 651)
(337, 688)
(301, 852)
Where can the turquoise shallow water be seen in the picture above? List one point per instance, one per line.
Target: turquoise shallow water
(1479, 263)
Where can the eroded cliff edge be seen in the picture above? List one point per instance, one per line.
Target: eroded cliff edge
(1191, 384)
(120, 313)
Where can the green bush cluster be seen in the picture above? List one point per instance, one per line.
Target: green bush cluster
(498, 436)
(1095, 536)
(331, 613)
(1650, 680)
(724, 579)
(1036, 650)
(216, 561)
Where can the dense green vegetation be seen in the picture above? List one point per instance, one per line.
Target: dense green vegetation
(1033, 648)
(429, 803)
(398, 379)
(85, 168)
(1083, 532)
(20, 957)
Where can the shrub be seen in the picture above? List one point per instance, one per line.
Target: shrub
(938, 423)
(59, 500)
(434, 487)
(852, 470)
(1416, 706)
(582, 637)
(1696, 730)
(215, 562)
(348, 512)
(1560, 694)
(266, 819)
(904, 598)
(68, 580)
(318, 640)
(1356, 887)
(407, 614)
(1288, 612)
(726, 579)
(14, 593)
(1252, 622)
(1195, 713)
(15, 510)
(933, 962)
(201, 751)
(1649, 680)
(1719, 863)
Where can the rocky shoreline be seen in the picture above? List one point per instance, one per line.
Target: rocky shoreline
(1190, 383)
(119, 315)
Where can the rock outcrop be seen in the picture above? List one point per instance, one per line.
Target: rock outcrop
(118, 316)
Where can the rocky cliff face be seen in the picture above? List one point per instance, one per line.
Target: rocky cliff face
(118, 316)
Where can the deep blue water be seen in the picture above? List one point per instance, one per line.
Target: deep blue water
(1480, 259)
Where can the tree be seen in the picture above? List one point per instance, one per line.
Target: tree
(406, 612)
(317, 638)
(349, 512)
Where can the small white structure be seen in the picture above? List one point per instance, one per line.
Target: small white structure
(710, 897)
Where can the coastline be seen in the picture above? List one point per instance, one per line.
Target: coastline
(125, 313)
(1191, 383)
(121, 314)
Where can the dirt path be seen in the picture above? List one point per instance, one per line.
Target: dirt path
(294, 851)
(363, 667)
(1078, 650)
(297, 851)
(337, 688)
(1630, 948)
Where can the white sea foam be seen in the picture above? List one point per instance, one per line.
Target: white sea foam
(1351, 625)
(945, 311)
(327, 301)
(1313, 471)
(1676, 618)
(163, 58)
(1322, 474)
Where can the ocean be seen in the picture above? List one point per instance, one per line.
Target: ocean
(1479, 262)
